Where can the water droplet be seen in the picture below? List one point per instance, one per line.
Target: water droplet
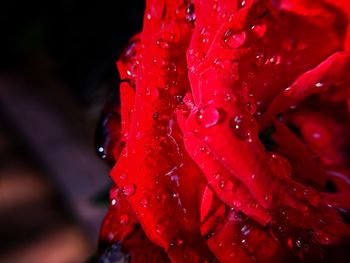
(107, 132)
(164, 64)
(240, 128)
(233, 215)
(159, 229)
(144, 202)
(203, 148)
(171, 67)
(259, 29)
(241, 3)
(209, 235)
(204, 35)
(179, 99)
(234, 39)
(101, 152)
(149, 16)
(268, 198)
(179, 242)
(236, 204)
(319, 85)
(128, 190)
(190, 13)
(161, 43)
(274, 60)
(113, 202)
(299, 243)
(259, 59)
(124, 219)
(245, 230)
(229, 97)
(155, 115)
(279, 166)
(160, 62)
(217, 176)
(226, 185)
(123, 176)
(208, 116)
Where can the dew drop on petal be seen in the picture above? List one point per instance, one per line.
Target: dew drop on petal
(259, 29)
(319, 85)
(226, 185)
(241, 3)
(203, 148)
(299, 243)
(144, 202)
(245, 230)
(190, 13)
(274, 60)
(155, 115)
(123, 176)
(161, 43)
(240, 128)
(233, 215)
(234, 39)
(268, 198)
(208, 116)
(128, 190)
(217, 176)
(160, 229)
(259, 59)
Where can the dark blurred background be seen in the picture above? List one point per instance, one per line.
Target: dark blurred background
(57, 70)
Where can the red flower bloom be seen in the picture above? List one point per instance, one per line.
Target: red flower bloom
(234, 137)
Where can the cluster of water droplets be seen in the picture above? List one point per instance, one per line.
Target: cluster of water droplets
(144, 202)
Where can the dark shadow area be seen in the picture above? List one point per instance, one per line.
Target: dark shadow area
(57, 70)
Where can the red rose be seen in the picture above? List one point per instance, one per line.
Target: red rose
(234, 138)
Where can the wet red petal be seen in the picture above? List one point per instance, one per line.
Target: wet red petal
(206, 168)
